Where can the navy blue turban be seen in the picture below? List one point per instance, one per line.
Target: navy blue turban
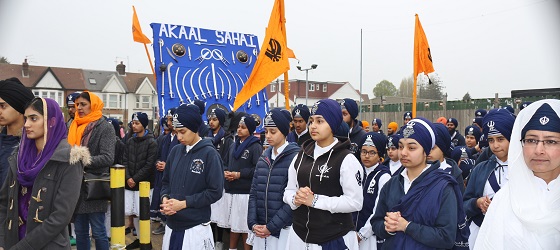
(351, 106)
(544, 119)
(474, 131)
(480, 113)
(460, 152)
(115, 123)
(421, 130)
(376, 140)
(407, 115)
(301, 111)
(377, 121)
(141, 117)
(443, 138)
(249, 122)
(498, 122)
(187, 116)
(71, 98)
(393, 140)
(510, 109)
(524, 105)
(171, 111)
(331, 112)
(218, 113)
(276, 118)
(454, 121)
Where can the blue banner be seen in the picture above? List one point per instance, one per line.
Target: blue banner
(210, 65)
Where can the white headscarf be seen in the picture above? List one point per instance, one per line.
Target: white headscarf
(521, 202)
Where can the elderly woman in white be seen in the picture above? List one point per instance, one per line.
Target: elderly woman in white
(525, 214)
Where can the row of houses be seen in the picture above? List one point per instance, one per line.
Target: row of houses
(124, 93)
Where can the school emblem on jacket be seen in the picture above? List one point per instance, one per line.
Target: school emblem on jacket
(245, 154)
(197, 166)
(359, 178)
(371, 187)
(323, 170)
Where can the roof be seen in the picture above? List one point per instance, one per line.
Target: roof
(75, 79)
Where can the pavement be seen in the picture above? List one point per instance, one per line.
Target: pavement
(158, 239)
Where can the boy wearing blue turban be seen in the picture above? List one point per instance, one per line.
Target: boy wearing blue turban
(139, 160)
(350, 111)
(489, 176)
(300, 115)
(192, 180)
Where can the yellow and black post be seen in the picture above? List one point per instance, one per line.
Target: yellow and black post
(117, 207)
(145, 216)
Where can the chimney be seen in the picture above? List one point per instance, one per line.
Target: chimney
(25, 68)
(121, 69)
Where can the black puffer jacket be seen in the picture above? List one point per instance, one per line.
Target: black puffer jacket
(140, 159)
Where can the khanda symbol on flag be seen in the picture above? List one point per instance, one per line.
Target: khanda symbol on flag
(423, 56)
(273, 57)
(137, 34)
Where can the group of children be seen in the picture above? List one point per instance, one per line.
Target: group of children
(328, 184)
(412, 189)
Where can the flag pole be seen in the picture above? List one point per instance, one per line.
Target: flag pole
(150, 61)
(286, 79)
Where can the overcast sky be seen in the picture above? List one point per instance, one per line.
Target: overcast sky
(479, 46)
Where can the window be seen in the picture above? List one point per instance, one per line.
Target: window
(325, 87)
(92, 81)
(112, 101)
(272, 87)
(143, 102)
(53, 94)
(312, 87)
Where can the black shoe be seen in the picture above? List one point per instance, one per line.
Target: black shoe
(127, 230)
(134, 245)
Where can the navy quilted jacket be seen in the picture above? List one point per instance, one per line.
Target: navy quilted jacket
(267, 190)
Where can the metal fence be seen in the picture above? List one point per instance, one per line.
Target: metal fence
(462, 111)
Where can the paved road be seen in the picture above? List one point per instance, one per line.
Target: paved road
(157, 239)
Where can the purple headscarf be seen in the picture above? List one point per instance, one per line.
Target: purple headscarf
(30, 163)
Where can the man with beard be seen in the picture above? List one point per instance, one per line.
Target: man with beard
(350, 111)
(300, 115)
(456, 138)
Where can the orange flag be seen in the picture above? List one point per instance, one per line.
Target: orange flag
(422, 55)
(273, 57)
(137, 34)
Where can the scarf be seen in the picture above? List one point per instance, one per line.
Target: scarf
(240, 147)
(79, 124)
(216, 139)
(422, 204)
(30, 161)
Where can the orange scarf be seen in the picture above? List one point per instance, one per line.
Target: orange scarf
(79, 124)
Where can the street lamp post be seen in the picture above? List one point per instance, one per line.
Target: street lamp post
(313, 66)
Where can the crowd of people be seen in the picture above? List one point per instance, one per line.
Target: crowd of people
(315, 178)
